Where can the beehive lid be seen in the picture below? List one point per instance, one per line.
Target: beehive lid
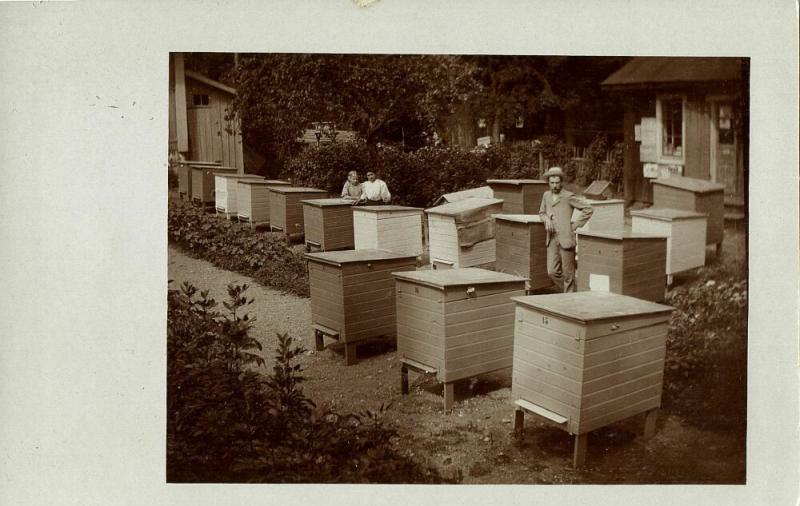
(618, 235)
(456, 277)
(690, 183)
(667, 214)
(480, 192)
(465, 205)
(328, 202)
(519, 218)
(596, 202)
(241, 176)
(591, 306)
(297, 189)
(385, 209)
(516, 182)
(264, 182)
(358, 255)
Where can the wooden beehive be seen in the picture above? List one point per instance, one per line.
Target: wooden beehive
(696, 195)
(286, 207)
(585, 360)
(328, 224)
(391, 228)
(185, 176)
(225, 190)
(598, 190)
(252, 199)
(203, 182)
(623, 262)
(353, 295)
(606, 215)
(520, 196)
(685, 232)
(484, 192)
(461, 233)
(457, 323)
(521, 249)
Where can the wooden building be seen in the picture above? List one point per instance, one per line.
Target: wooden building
(252, 199)
(225, 190)
(623, 262)
(456, 323)
(286, 207)
(328, 224)
(520, 248)
(185, 176)
(391, 228)
(203, 182)
(462, 233)
(697, 195)
(685, 232)
(686, 116)
(606, 215)
(353, 295)
(520, 196)
(585, 360)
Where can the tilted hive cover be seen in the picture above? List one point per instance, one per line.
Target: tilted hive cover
(690, 183)
(358, 255)
(464, 206)
(667, 214)
(519, 218)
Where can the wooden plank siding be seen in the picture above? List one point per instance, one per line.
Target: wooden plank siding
(390, 229)
(698, 139)
(226, 188)
(711, 203)
(519, 196)
(607, 215)
(253, 199)
(330, 225)
(286, 207)
(686, 239)
(520, 250)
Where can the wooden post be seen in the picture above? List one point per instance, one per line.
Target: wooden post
(519, 421)
(719, 250)
(579, 453)
(181, 127)
(449, 395)
(349, 354)
(319, 340)
(650, 423)
(404, 379)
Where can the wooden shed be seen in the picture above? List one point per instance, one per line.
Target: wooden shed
(521, 248)
(286, 207)
(685, 232)
(520, 196)
(185, 176)
(328, 224)
(698, 195)
(225, 189)
(456, 323)
(585, 360)
(607, 215)
(252, 199)
(203, 182)
(353, 295)
(461, 233)
(624, 262)
(391, 228)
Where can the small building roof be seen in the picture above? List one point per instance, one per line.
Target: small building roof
(357, 255)
(456, 277)
(591, 306)
(207, 80)
(690, 183)
(646, 70)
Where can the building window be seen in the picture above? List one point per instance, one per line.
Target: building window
(670, 118)
(200, 99)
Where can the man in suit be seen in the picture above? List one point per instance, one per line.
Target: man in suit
(556, 212)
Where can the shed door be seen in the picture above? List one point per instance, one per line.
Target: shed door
(726, 160)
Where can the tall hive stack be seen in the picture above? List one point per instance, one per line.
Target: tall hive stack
(203, 182)
(462, 233)
(698, 195)
(252, 199)
(520, 196)
(685, 232)
(588, 359)
(185, 176)
(286, 207)
(521, 248)
(391, 228)
(456, 323)
(353, 295)
(328, 224)
(622, 262)
(225, 191)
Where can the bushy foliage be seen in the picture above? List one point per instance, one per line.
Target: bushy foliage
(226, 422)
(418, 178)
(706, 363)
(266, 257)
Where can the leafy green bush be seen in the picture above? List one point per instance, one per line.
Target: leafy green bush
(266, 257)
(228, 423)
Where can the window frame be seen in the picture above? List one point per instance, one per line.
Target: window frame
(664, 158)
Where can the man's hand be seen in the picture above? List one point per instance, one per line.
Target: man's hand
(548, 225)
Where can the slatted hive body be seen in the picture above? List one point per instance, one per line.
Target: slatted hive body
(329, 223)
(203, 181)
(591, 357)
(521, 248)
(252, 198)
(391, 228)
(461, 233)
(685, 232)
(623, 262)
(520, 196)
(606, 215)
(225, 190)
(286, 207)
(185, 176)
(698, 195)
(459, 321)
(353, 293)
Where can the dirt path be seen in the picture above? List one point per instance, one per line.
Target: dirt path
(475, 441)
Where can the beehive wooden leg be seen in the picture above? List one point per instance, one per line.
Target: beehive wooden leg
(650, 423)
(404, 379)
(579, 453)
(519, 420)
(349, 353)
(669, 280)
(449, 395)
(719, 250)
(319, 341)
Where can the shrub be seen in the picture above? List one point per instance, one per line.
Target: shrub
(266, 257)
(226, 422)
